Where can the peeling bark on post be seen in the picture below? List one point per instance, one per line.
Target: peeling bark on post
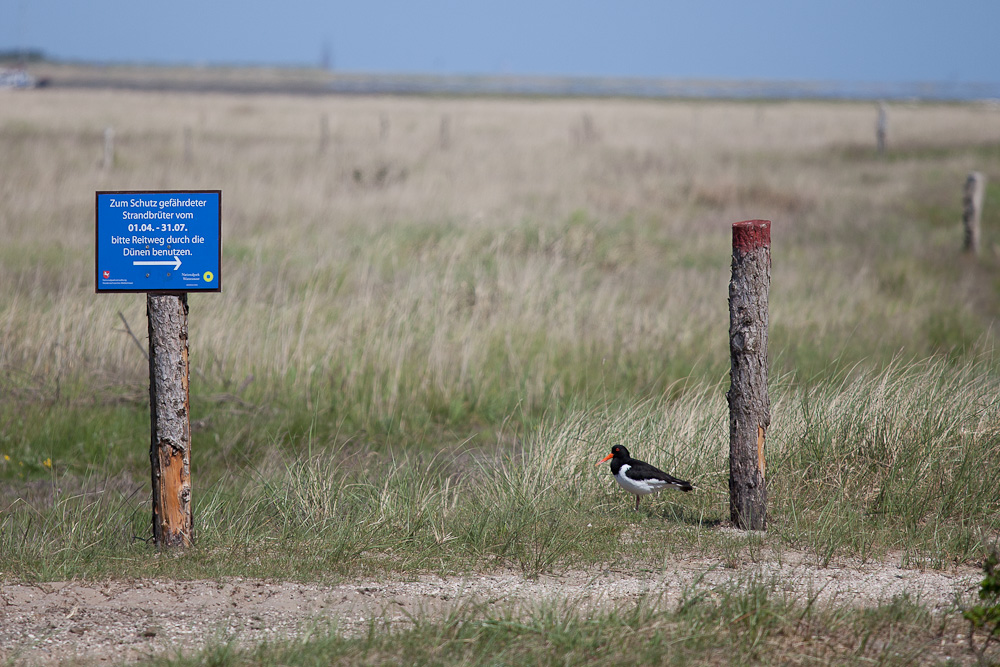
(972, 212)
(170, 421)
(749, 405)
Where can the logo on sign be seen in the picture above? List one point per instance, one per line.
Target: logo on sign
(107, 274)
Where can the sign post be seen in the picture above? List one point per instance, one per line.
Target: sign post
(166, 244)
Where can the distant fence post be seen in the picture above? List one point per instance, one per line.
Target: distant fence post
(972, 212)
(586, 133)
(589, 133)
(881, 128)
(109, 148)
(324, 132)
(170, 419)
(445, 133)
(749, 405)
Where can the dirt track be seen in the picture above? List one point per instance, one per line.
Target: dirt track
(115, 621)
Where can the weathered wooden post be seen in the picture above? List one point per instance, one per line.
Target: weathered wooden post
(586, 132)
(881, 128)
(170, 419)
(109, 148)
(324, 133)
(972, 212)
(445, 133)
(589, 133)
(749, 405)
(383, 127)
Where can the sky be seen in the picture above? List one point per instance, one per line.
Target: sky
(808, 40)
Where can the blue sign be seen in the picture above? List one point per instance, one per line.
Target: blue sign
(161, 241)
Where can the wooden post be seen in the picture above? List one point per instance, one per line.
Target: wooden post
(749, 405)
(975, 184)
(324, 132)
(109, 148)
(445, 133)
(586, 132)
(881, 128)
(383, 127)
(589, 133)
(170, 420)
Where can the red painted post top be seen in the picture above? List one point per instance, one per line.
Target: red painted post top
(751, 235)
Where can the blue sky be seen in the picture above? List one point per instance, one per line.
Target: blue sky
(833, 40)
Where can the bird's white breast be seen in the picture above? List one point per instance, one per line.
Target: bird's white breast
(638, 487)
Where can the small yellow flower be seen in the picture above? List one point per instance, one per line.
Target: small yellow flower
(47, 463)
(6, 458)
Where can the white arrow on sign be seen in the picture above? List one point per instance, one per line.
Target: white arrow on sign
(176, 263)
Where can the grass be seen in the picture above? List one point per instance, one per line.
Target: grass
(896, 465)
(421, 350)
(756, 624)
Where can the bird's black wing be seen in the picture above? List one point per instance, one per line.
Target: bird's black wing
(640, 470)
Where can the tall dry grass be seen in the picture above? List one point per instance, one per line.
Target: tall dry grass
(897, 465)
(392, 279)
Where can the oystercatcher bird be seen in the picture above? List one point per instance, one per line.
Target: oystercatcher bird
(638, 477)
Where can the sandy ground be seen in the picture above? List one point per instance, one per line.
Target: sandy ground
(115, 621)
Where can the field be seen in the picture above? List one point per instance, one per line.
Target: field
(437, 315)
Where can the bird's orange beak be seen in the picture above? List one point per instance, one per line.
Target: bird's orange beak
(603, 460)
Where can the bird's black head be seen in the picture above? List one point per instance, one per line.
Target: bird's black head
(618, 452)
